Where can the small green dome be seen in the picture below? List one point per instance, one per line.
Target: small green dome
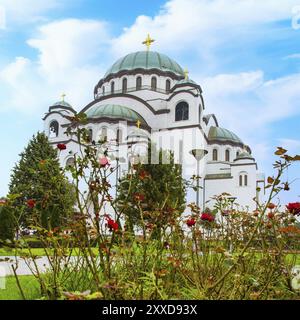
(244, 155)
(114, 111)
(62, 104)
(217, 133)
(146, 60)
(186, 81)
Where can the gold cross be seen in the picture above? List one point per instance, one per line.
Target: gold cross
(186, 74)
(63, 97)
(138, 123)
(148, 42)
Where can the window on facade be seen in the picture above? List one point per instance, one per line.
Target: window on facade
(182, 111)
(119, 136)
(215, 155)
(124, 85)
(138, 83)
(103, 136)
(243, 179)
(168, 86)
(112, 88)
(153, 83)
(53, 129)
(237, 154)
(227, 155)
(70, 162)
(103, 90)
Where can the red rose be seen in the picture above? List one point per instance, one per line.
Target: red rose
(61, 146)
(271, 206)
(143, 174)
(112, 225)
(256, 213)
(103, 162)
(31, 203)
(191, 222)
(207, 217)
(294, 208)
(139, 197)
(270, 215)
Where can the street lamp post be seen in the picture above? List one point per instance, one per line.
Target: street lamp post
(198, 154)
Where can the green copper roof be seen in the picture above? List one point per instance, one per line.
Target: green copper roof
(217, 133)
(146, 60)
(186, 81)
(62, 104)
(244, 155)
(114, 111)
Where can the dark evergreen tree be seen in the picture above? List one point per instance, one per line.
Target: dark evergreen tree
(7, 223)
(39, 186)
(159, 189)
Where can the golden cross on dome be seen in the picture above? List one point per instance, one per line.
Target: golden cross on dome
(138, 123)
(148, 42)
(186, 74)
(63, 97)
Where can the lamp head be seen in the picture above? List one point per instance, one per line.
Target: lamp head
(199, 154)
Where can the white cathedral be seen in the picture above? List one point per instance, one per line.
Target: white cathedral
(147, 96)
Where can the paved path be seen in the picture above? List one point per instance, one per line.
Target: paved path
(6, 269)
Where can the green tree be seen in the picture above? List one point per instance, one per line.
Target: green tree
(7, 223)
(38, 178)
(158, 189)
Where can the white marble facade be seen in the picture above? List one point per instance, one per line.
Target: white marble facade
(148, 95)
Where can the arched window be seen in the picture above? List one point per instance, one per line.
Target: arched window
(112, 88)
(153, 83)
(53, 129)
(119, 136)
(138, 83)
(124, 85)
(243, 179)
(103, 136)
(103, 90)
(168, 86)
(215, 155)
(237, 154)
(182, 111)
(70, 162)
(227, 155)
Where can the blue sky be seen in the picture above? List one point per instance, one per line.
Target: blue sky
(244, 54)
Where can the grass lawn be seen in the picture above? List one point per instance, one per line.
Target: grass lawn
(29, 285)
(35, 251)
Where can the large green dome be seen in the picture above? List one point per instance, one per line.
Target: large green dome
(221, 134)
(114, 111)
(146, 60)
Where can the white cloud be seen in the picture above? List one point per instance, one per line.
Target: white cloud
(202, 24)
(247, 102)
(68, 43)
(293, 146)
(292, 56)
(24, 11)
(67, 62)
